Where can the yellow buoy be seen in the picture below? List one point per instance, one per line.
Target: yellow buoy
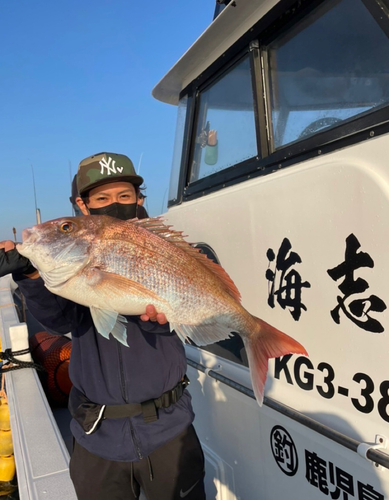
(7, 468)
(5, 424)
(7, 459)
(6, 445)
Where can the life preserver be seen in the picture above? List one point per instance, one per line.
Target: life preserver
(53, 353)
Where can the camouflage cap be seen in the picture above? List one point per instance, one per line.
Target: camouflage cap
(103, 168)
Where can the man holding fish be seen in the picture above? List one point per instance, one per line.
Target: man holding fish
(132, 417)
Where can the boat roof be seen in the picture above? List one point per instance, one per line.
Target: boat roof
(233, 22)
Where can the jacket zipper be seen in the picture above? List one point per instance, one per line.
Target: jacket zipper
(124, 394)
(135, 440)
(122, 380)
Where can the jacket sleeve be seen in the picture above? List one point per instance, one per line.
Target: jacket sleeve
(56, 314)
(13, 262)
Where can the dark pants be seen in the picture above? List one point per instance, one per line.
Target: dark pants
(173, 471)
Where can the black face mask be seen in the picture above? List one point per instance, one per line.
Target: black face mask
(122, 211)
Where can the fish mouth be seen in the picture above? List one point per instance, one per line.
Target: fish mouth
(29, 236)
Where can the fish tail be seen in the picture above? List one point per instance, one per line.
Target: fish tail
(267, 342)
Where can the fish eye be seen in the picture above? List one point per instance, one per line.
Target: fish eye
(66, 227)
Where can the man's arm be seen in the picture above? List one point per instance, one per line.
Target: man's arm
(56, 314)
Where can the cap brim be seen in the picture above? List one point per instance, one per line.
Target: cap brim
(136, 180)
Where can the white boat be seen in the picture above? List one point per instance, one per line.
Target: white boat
(280, 174)
(293, 202)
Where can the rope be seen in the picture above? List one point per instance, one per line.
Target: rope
(17, 364)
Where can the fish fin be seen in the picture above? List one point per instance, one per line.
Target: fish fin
(116, 284)
(107, 322)
(155, 225)
(202, 334)
(267, 342)
(179, 331)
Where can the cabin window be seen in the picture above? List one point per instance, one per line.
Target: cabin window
(225, 129)
(178, 148)
(328, 68)
(232, 349)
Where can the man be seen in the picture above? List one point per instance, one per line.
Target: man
(141, 199)
(120, 445)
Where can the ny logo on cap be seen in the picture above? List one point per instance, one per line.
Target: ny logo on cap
(111, 169)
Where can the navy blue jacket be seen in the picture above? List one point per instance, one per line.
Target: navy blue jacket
(109, 373)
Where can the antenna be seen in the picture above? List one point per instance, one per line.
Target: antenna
(14, 231)
(140, 161)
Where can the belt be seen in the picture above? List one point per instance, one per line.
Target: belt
(147, 408)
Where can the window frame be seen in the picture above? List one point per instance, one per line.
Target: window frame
(203, 183)
(185, 151)
(351, 131)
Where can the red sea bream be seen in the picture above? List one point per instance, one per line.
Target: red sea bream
(116, 268)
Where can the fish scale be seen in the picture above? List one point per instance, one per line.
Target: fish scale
(135, 261)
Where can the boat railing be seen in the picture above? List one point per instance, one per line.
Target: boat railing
(41, 455)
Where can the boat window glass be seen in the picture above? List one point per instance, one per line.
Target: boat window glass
(225, 129)
(178, 147)
(328, 68)
(232, 349)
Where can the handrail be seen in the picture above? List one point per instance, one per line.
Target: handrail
(374, 455)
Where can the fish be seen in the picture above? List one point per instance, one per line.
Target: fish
(117, 268)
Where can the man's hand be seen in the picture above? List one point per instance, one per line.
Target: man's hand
(12, 262)
(7, 245)
(152, 315)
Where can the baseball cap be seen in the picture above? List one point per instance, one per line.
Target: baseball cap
(103, 168)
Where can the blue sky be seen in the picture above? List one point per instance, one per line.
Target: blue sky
(76, 79)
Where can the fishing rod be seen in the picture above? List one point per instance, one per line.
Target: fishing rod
(37, 210)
